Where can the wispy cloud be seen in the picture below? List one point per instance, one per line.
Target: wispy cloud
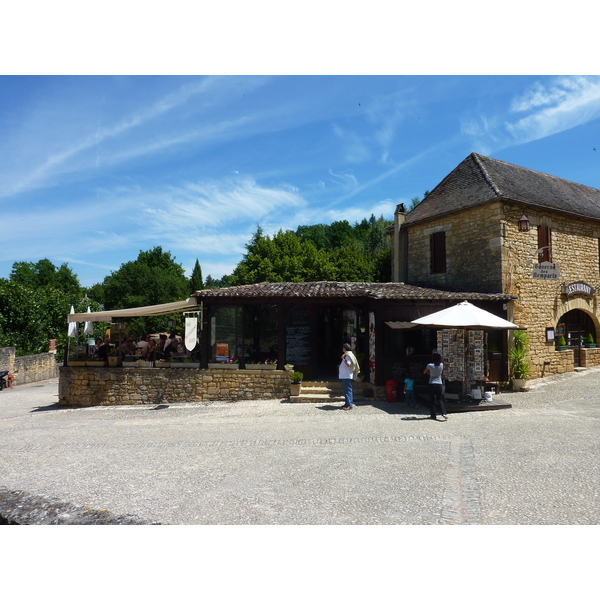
(561, 105)
(542, 110)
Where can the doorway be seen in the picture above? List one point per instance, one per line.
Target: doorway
(578, 325)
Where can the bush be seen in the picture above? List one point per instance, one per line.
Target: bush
(297, 377)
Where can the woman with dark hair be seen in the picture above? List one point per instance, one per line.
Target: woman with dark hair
(435, 369)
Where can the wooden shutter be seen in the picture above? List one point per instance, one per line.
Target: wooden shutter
(438, 252)
(545, 242)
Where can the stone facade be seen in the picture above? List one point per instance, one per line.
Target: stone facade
(81, 386)
(487, 253)
(30, 368)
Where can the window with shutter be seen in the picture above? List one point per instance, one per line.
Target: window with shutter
(544, 244)
(438, 252)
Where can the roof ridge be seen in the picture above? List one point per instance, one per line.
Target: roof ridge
(486, 175)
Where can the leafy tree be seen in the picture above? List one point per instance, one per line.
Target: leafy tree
(211, 282)
(196, 278)
(44, 273)
(153, 278)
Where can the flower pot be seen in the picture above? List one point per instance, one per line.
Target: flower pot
(295, 389)
(562, 348)
(518, 384)
(230, 366)
(113, 361)
(261, 367)
(162, 365)
(590, 345)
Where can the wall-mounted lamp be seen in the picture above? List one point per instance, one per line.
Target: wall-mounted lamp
(524, 224)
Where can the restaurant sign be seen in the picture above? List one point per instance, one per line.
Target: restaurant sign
(545, 270)
(578, 288)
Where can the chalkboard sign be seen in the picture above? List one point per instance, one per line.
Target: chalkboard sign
(298, 337)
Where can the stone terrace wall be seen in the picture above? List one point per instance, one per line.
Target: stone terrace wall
(28, 369)
(81, 386)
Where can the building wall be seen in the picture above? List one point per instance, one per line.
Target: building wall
(486, 253)
(84, 386)
(541, 303)
(473, 250)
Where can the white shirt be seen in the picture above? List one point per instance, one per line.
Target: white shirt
(345, 371)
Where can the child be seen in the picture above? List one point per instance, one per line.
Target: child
(409, 390)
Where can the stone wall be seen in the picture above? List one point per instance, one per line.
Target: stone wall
(30, 368)
(87, 386)
(487, 253)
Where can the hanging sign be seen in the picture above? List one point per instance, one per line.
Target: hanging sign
(191, 332)
(545, 270)
(579, 288)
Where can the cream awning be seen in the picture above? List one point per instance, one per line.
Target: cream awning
(141, 311)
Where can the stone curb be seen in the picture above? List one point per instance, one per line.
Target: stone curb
(22, 508)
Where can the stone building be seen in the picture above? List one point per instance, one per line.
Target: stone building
(494, 227)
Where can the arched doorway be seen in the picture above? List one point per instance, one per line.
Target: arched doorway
(578, 325)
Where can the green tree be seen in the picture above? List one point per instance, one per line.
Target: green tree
(153, 278)
(196, 278)
(44, 273)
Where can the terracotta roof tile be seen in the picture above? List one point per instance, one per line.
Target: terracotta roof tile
(337, 289)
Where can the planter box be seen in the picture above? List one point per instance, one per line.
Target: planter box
(178, 365)
(562, 348)
(76, 363)
(162, 365)
(223, 366)
(113, 361)
(261, 367)
(295, 389)
(95, 363)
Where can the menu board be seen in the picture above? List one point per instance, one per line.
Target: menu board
(298, 338)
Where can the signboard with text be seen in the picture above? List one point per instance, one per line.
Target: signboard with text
(545, 270)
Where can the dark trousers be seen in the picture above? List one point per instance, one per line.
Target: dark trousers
(435, 395)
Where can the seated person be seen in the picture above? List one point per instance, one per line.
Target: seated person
(127, 347)
(150, 352)
(143, 343)
(102, 349)
(172, 349)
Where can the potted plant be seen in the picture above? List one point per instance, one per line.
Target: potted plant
(288, 367)
(517, 363)
(78, 360)
(296, 383)
(269, 364)
(113, 357)
(590, 341)
(230, 363)
(562, 344)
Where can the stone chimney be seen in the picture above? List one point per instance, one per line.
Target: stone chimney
(399, 243)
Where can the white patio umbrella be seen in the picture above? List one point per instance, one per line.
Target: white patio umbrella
(465, 316)
(72, 331)
(89, 326)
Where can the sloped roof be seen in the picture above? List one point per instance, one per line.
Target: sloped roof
(480, 179)
(338, 289)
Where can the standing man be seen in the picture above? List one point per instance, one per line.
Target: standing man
(347, 368)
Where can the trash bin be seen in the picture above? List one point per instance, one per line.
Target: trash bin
(391, 390)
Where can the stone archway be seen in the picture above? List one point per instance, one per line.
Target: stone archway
(578, 324)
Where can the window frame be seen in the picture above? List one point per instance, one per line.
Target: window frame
(437, 246)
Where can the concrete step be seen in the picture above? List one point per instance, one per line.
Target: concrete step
(331, 391)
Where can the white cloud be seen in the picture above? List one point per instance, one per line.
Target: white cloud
(542, 110)
(566, 103)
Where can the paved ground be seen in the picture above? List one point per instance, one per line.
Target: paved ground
(279, 463)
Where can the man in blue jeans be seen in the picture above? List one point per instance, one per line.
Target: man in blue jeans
(346, 373)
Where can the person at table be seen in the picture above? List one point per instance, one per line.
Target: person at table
(172, 349)
(102, 349)
(127, 347)
(150, 353)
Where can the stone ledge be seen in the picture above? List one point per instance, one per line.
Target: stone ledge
(22, 508)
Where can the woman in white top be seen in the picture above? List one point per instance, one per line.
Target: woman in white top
(435, 369)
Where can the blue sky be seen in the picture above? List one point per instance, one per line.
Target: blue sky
(94, 169)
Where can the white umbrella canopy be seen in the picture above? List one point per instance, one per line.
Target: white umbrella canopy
(465, 316)
(89, 327)
(72, 332)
